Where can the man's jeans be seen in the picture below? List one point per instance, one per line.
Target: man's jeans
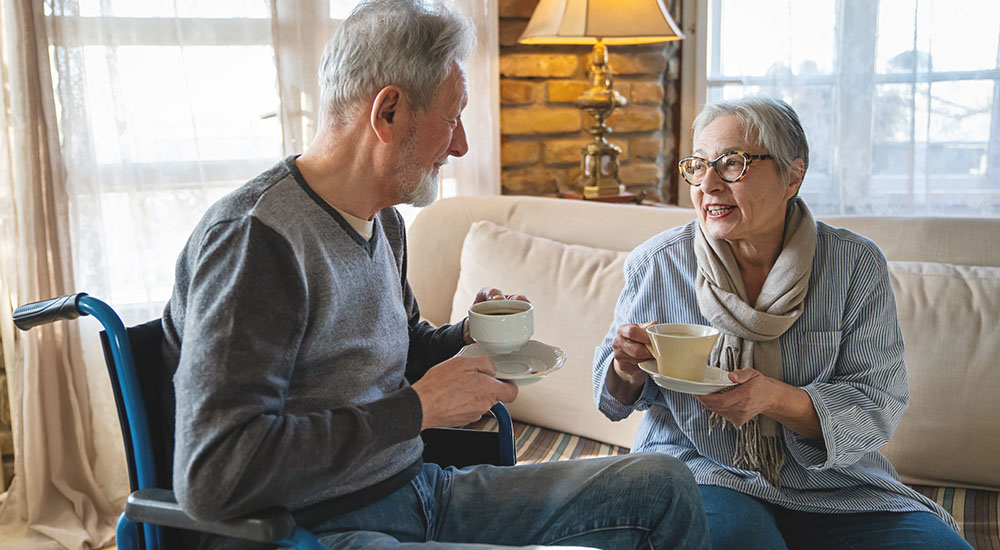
(647, 501)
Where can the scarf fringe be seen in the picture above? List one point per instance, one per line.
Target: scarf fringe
(754, 451)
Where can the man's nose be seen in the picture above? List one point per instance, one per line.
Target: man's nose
(459, 146)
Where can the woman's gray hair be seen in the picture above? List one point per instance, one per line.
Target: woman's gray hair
(407, 43)
(770, 123)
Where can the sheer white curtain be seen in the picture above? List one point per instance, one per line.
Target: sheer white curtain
(55, 488)
(900, 99)
(478, 172)
(156, 108)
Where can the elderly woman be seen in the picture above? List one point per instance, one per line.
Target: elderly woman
(788, 457)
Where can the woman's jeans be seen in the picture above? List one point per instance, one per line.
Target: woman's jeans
(647, 501)
(739, 521)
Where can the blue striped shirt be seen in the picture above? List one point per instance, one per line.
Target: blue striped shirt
(845, 351)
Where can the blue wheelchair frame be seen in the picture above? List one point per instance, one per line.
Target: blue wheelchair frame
(149, 505)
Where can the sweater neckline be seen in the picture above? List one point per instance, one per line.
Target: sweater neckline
(367, 244)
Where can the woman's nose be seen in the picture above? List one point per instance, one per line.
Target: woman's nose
(712, 183)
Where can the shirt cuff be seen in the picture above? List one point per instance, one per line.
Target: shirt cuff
(810, 453)
(615, 409)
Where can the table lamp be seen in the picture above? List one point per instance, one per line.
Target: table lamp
(601, 23)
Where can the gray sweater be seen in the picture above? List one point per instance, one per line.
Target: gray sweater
(293, 339)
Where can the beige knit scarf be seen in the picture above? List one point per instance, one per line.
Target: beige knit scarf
(750, 333)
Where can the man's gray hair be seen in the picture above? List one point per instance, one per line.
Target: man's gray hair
(407, 43)
(770, 123)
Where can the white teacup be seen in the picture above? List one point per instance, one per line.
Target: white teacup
(681, 350)
(501, 326)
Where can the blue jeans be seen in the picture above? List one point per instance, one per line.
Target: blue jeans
(736, 520)
(647, 501)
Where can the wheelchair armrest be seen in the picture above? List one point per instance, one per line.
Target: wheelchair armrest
(159, 507)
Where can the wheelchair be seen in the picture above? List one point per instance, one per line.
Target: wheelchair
(145, 413)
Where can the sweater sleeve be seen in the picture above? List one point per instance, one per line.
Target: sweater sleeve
(429, 345)
(861, 404)
(237, 449)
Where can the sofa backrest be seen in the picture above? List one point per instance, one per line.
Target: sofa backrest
(949, 313)
(437, 234)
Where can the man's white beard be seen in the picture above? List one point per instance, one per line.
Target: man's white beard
(426, 191)
(420, 188)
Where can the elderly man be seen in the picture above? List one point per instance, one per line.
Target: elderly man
(294, 334)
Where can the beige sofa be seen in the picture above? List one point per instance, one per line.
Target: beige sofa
(567, 256)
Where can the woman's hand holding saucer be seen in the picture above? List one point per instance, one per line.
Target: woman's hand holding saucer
(758, 394)
(753, 395)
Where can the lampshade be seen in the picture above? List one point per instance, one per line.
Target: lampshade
(610, 21)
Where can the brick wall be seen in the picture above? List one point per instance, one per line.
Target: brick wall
(542, 132)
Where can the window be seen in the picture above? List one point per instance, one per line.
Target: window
(900, 99)
(163, 107)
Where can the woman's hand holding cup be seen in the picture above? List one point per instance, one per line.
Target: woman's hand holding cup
(625, 380)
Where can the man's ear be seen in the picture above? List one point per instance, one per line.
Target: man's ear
(386, 110)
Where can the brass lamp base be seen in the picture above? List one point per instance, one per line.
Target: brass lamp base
(599, 176)
(599, 161)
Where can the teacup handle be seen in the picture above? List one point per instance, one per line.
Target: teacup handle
(652, 350)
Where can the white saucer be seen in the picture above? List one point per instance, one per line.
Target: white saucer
(715, 379)
(529, 364)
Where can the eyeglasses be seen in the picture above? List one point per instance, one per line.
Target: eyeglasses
(730, 166)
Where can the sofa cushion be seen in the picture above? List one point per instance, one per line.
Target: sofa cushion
(948, 316)
(564, 282)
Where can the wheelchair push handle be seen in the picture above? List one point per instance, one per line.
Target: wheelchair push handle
(34, 314)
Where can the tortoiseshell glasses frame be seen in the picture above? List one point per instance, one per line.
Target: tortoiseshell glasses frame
(731, 166)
